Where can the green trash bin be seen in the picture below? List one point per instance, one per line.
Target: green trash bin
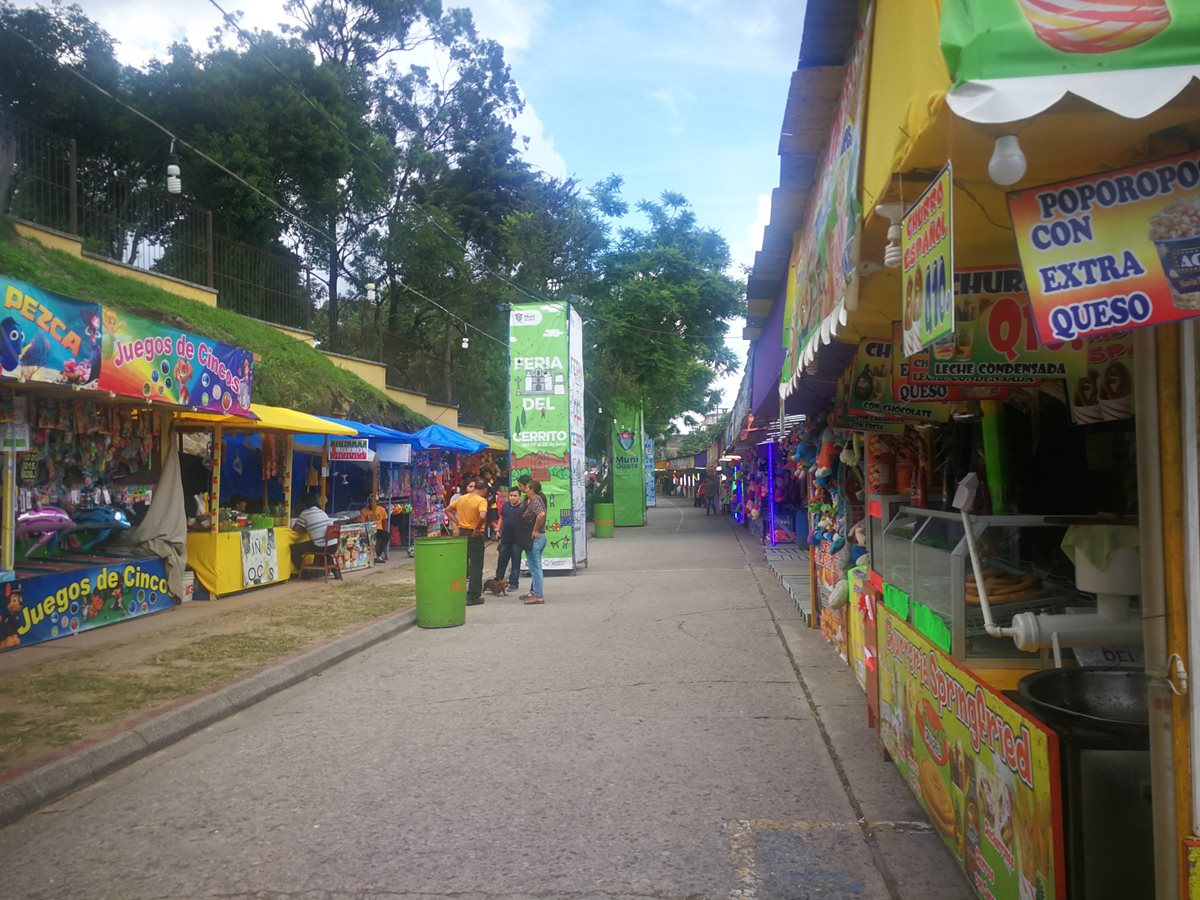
(603, 521)
(441, 565)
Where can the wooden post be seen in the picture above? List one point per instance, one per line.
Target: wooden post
(208, 249)
(287, 479)
(8, 532)
(324, 469)
(214, 498)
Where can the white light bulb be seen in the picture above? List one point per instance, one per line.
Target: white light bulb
(466, 343)
(174, 183)
(1007, 165)
(371, 291)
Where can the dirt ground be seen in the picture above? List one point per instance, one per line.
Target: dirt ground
(60, 692)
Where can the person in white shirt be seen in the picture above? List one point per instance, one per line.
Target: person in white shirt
(312, 523)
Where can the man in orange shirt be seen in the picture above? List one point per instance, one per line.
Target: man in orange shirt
(376, 513)
(468, 515)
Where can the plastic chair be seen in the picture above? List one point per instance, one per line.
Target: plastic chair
(327, 559)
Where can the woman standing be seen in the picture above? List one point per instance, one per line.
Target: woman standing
(534, 518)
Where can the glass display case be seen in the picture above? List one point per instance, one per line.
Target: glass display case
(881, 509)
(926, 558)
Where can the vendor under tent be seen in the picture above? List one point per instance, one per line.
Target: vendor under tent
(374, 463)
(234, 549)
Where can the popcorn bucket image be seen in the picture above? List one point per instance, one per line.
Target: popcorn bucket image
(1096, 26)
(1175, 231)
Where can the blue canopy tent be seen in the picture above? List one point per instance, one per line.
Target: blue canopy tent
(355, 480)
(439, 437)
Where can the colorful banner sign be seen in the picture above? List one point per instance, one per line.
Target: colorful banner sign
(648, 462)
(260, 561)
(927, 248)
(824, 270)
(49, 338)
(349, 449)
(45, 607)
(986, 773)
(869, 392)
(151, 361)
(539, 410)
(629, 484)
(356, 546)
(1113, 251)
(1018, 38)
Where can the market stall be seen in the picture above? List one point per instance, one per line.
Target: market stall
(93, 513)
(375, 462)
(248, 461)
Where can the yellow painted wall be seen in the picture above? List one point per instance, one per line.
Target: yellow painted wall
(296, 333)
(56, 240)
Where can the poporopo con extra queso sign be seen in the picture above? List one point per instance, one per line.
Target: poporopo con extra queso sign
(1112, 251)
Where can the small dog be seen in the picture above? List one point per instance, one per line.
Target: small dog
(497, 587)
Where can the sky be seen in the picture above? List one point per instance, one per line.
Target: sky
(679, 95)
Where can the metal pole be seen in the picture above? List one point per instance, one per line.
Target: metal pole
(73, 187)
(208, 249)
(1154, 616)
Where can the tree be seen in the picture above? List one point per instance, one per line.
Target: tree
(656, 321)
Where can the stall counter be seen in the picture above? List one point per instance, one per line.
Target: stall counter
(221, 561)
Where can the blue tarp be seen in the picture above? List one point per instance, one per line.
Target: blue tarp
(439, 437)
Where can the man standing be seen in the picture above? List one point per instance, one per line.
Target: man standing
(506, 539)
(312, 523)
(468, 515)
(712, 493)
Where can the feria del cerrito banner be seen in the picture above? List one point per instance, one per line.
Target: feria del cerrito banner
(985, 773)
(927, 247)
(151, 361)
(47, 337)
(1113, 251)
(51, 606)
(629, 477)
(540, 417)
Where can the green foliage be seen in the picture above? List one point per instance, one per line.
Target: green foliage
(702, 438)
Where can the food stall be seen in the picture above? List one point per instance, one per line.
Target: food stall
(360, 467)
(231, 550)
(93, 516)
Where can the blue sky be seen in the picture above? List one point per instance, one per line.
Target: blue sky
(681, 95)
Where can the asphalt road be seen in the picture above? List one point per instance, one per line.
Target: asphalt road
(642, 735)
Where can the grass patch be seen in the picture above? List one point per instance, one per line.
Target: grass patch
(288, 372)
(59, 703)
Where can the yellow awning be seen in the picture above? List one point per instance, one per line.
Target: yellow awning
(270, 418)
(493, 441)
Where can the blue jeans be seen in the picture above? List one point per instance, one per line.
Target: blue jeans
(535, 565)
(509, 553)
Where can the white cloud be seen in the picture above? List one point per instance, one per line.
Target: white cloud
(743, 250)
(669, 99)
(511, 23)
(540, 152)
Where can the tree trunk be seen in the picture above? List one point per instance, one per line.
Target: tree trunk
(334, 265)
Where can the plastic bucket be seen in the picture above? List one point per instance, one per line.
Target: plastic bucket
(603, 520)
(441, 570)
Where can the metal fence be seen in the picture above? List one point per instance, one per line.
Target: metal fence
(135, 221)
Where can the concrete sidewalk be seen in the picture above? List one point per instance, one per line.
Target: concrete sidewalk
(646, 733)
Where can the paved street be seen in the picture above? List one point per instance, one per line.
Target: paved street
(644, 734)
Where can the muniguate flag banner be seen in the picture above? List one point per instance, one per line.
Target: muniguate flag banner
(629, 485)
(1113, 251)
